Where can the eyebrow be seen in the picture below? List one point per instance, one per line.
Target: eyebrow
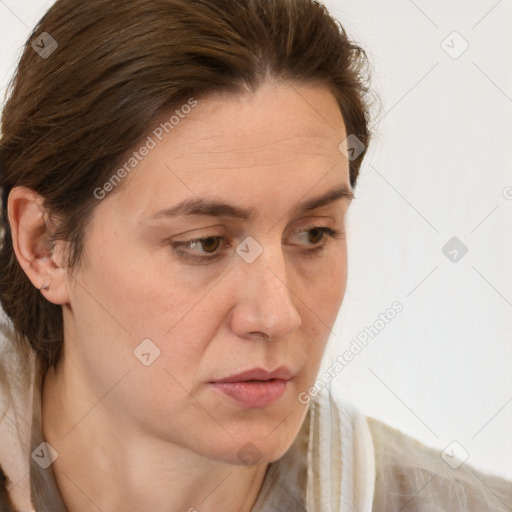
(215, 208)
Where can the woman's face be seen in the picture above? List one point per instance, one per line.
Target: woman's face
(225, 305)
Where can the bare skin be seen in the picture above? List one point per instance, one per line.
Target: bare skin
(160, 437)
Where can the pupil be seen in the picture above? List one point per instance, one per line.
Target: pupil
(312, 232)
(207, 244)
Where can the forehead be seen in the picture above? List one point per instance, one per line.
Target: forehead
(267, 125)
(280, 136)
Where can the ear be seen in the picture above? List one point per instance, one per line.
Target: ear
(32, 245)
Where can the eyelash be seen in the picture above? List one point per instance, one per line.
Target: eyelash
(179, 247)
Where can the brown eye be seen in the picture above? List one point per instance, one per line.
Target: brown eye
(315, 235)
(208, 249)
(201, 249)
(210, 244)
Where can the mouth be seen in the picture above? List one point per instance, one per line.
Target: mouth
(255, 388)
(259, 374)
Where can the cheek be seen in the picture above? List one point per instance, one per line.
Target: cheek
(133, 290)
(325, 290)
(322, 301)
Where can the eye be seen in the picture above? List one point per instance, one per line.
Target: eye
(315, 234)
(206, 249)
(206, 245)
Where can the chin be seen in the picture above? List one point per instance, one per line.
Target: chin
(268, 445)
(252, 453)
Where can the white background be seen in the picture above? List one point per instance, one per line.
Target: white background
(441, 159)
(437, 168)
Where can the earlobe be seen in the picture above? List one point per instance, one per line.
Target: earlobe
(32, 244)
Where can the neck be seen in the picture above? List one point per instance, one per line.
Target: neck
(106, 463)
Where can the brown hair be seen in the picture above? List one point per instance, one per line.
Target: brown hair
(72, 114)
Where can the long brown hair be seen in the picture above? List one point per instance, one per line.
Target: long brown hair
(95, 74)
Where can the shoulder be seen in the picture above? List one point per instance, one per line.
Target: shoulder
(17, 365)
(6, 504)
(412, 476)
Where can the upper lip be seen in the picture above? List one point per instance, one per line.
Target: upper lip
(283, 373)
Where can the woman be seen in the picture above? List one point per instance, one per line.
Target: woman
(175, 176)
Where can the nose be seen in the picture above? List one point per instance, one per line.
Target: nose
(265, 299)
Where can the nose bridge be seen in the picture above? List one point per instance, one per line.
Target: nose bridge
(272, 274)
(270, 303)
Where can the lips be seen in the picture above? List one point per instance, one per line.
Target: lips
(256, 388)
(259, 374)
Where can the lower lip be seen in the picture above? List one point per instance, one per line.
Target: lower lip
(253, 394)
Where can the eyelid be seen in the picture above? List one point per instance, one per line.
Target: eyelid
(204, 234)
(204, 257)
